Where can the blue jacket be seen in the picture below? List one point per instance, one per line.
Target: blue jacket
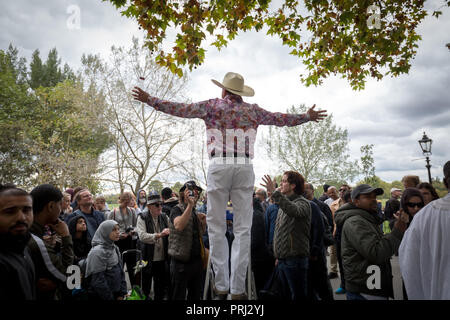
(109, 284)
(93, 220)
(270, 220)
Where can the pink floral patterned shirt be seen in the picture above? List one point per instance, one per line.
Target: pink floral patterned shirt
(231, 123)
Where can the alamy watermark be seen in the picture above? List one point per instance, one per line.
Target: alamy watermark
(234, 146)
(73, 22)
(374, 280)
(73, 280)
(374, 20)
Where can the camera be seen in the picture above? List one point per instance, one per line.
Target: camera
(129, 229)
(190, 187)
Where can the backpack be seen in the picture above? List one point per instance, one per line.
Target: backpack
(328, 239)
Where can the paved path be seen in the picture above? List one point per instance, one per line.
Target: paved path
(398, 293)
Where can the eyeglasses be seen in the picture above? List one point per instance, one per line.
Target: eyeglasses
(415, 204)
(156, 204)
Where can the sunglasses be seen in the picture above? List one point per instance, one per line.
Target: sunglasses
(415, 204)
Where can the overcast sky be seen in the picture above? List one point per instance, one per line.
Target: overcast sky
(391, 114)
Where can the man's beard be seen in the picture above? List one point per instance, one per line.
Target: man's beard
(16, 243)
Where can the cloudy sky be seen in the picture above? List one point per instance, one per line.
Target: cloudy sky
(391, 114)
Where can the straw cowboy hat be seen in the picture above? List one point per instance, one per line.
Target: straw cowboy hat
(234, 83)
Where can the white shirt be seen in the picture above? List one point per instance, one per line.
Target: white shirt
(150, 238)
(329, 201)
(424, 253)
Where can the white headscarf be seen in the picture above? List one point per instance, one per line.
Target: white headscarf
(104, 253)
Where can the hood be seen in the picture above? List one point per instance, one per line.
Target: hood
(349, 210)
(73, 225)
(139, 193)
(171, 202)
(144, 212)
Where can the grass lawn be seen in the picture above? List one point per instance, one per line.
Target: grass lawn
(112, 206)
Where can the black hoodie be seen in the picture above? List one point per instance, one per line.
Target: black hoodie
(81, 246)
(17, 275)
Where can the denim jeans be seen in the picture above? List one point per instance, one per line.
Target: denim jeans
(293, 274)
(354, 296)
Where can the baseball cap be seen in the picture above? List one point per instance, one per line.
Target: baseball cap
(365, 189)
(395, 189)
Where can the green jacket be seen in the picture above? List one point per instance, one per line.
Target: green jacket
(292, 227)
(362, 245)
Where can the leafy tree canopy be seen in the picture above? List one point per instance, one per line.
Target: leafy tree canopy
(355, 39)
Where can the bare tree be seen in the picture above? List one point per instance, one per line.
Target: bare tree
(196, 168)
(319, 151)
(146, 143)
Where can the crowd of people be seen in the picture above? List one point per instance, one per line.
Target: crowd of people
(161, 240)
(164, 240)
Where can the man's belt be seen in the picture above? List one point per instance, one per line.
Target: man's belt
(224, 155)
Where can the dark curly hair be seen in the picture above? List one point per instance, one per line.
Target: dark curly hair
(297, 179)
(408, 194)
(429, 187)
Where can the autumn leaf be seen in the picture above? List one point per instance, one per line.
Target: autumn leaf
(336, 28)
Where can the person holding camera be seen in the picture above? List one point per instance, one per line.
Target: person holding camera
(153, 231)
(126, 217)
(185, 245)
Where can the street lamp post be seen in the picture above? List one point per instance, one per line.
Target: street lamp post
(425, 145)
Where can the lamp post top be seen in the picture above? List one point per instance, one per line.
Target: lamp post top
(425, 144)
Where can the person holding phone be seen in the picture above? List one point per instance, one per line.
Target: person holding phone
(365, 247)
(185, 245)
(51, 264)
(411, 203)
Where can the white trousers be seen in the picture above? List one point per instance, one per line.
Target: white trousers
(233, 181)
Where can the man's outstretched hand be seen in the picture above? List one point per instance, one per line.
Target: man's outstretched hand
(269, 184)
(140, 95)
(316, 115)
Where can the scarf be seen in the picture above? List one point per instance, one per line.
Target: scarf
(104, 254)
